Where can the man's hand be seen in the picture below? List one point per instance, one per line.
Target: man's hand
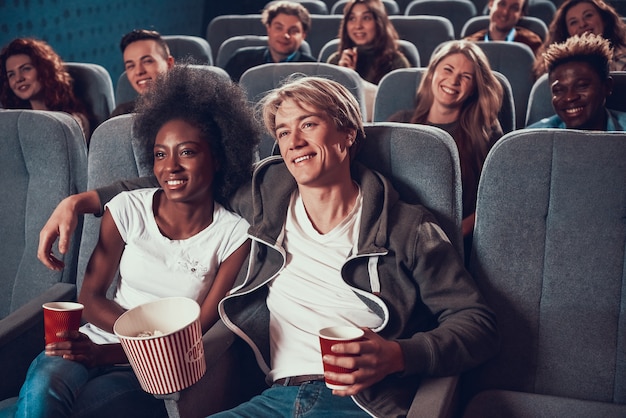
(62, 224)
(375, 359)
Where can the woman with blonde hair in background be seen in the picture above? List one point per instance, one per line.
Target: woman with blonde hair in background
(460, 94)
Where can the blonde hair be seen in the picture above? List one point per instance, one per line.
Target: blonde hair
(478, 118)
(479, 113)
(320, 93)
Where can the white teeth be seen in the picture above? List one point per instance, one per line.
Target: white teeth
(300, 159)
(447, 90)
(141, 82)
(175, 182)
(574, 110)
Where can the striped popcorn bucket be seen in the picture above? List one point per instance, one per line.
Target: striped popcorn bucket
(163, 343)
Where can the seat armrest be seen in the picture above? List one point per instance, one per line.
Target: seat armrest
(232, 377)
(503, 403)
(437, 397)
(22, 337)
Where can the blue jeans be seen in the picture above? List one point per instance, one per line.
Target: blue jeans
(55, 387)
(312, 399)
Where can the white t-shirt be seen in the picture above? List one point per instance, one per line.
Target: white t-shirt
(153, 266)
(309, 293)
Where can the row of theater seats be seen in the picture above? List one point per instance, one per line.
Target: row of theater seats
(424, 31)
(458, 11)
(420, 36)
(525, 100)
(548, 255)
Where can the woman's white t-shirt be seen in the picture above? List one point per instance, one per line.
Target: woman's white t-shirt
(153, 266)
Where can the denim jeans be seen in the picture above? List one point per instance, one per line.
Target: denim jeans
(312, 399)
(55, 387)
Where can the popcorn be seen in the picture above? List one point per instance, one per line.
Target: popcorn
(155, 333)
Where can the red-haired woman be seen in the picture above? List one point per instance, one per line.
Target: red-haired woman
(33, 77)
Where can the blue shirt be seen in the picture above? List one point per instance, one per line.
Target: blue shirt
(616, 121)
(509, 38)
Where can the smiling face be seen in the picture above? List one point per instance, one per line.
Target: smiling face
(361, 25)
(314, 150)
(584, 17)
(23, 77)
(183, 163)
(453, 81)
(504, 15)
(579, 95)
(284, 36)
(143, 62)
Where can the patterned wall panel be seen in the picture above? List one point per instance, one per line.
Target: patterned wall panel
(90, 30)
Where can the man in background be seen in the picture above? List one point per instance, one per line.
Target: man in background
(287, 24)
(146, 55)
(578, 74)
(504, 16)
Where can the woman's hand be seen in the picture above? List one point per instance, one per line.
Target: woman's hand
(348, 58)
(81, 349)
(78, 347)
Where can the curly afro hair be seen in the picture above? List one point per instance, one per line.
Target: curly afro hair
(217, 107)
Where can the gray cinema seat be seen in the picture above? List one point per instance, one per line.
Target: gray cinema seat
(44, 160)
(114, 154)
(94, 88)
(323, 29)
(548, 255)
(515, 61)
(317, 7)
(223, 27)
(457, 11)
(194, 47)
(391, 7)
(425, 32)
(397, 91)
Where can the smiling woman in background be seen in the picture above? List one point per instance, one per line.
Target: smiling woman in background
(33, 77)
(367, 44)
(460, 94)
(367, 41)
(576, 17)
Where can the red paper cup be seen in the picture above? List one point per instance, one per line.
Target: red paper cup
(331, 336)
(60, 316)
(172, 358)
